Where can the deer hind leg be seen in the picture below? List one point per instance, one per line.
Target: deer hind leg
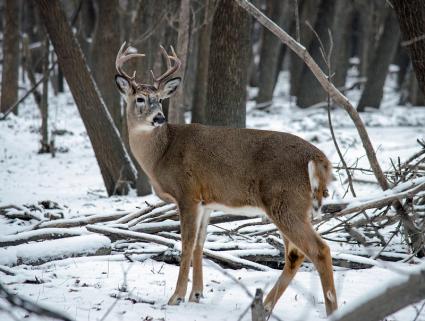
(311, 244)
(293, 259)
(189, 224)
(198, 283)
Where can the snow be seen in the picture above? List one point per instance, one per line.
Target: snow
(85, 287)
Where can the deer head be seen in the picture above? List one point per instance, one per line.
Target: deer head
(144, 101)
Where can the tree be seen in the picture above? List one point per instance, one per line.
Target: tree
(411, 18)
(176, 106)
(115, 165)
(310, 92)
(201, 82)
(228, 66)
(106, 42)
(9, 88)
(378, 67)
(341, 35)
(269, 56)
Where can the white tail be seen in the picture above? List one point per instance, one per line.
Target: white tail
(201, 168)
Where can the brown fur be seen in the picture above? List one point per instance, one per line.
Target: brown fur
(195, 165)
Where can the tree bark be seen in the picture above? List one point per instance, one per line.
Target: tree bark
(44, 106)
(341, 34)
(378, 68)
(201, 82)
(228, 66)
(310, 92)
(308, 12)
(106, 43)
(115, 165)
(269, 55)
(411, 18)
(9, 89)
(176, 106)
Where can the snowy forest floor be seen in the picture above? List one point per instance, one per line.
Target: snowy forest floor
(87, 287)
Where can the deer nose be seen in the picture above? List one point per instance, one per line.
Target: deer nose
(159, 119)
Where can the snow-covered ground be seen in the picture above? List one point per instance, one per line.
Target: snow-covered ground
(87, 287)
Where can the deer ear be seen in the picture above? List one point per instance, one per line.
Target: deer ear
(170, 87)
(124, 85)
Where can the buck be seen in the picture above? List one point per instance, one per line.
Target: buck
(202, 168)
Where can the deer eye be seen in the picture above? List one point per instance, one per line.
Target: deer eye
(140, 99)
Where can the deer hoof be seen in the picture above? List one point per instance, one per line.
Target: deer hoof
(175, 300)
(195, 297)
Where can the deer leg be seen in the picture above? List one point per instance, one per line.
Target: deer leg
(293, 259)
(311, 244)
(198, 283)
(189, 221)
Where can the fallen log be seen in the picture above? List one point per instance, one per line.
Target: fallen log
(81, 221)
(37, 235)
(42, 252)
(228, 260)
(169, 226)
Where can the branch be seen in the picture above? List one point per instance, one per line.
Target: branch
(388, 301)
(30, 306)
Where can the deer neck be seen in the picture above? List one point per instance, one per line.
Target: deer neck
(147, 146)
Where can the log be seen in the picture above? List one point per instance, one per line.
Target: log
(388, 300)
(37, 235)
(42, 252)
(81, 221)
(169, 226)
(221, 258)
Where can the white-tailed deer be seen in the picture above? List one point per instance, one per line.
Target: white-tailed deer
(202, 168)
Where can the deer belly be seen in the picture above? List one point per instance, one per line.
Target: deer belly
(243, 210)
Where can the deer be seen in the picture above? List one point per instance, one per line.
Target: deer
(237, 170)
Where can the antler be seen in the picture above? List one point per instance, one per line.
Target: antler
(170, 69)
(122, 57)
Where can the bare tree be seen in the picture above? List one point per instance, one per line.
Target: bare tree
(269, 56)
(9, 88)
(411, 17)
(176, 107)
(310, 92)
(106, 42)
(201, 82)
(228, 66)
(378, 67)
(115, 165)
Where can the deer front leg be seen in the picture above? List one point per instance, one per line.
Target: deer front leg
(189, 222)
(198, 282)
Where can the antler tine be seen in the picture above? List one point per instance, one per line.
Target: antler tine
(122, 57)
(170, 69)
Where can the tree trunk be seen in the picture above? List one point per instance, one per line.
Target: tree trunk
(228, 66)
(115, 165)
(9, 89)
(201, 82)
(270, 49)
(378, 68)
(105, 45)
(44, 106)
(411, 18)
(341, 34)
(310, 92)
(86, 25)
(176, 106)
(308, 12)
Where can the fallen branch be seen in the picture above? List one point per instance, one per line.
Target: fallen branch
(229, 260)
(42, 252)
(37, 235)
(388, 301)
